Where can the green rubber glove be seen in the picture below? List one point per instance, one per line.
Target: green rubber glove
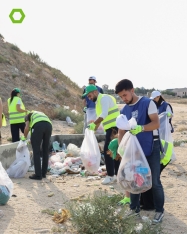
(23, 138)
(137, 130)
(84, 110)
(168, 114)
(91, 126)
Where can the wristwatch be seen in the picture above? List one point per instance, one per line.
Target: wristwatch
(142, 128)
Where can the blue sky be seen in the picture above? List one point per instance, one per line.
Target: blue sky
(144, 41)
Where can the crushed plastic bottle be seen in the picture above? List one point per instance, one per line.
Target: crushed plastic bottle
(64, 148)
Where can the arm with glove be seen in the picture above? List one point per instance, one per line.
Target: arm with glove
(154, 124)
(94, 126)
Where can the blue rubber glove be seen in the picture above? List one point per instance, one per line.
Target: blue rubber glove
(137, 130)
(84, 110)
(168, 114)
(91, 126)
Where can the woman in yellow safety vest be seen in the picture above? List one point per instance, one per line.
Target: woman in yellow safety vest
(17, 114)
(41, 128)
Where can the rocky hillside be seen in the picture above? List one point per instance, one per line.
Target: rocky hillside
(43, 88)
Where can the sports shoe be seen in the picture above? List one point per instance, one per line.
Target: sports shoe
(35, 177)
(131, 213)
(124, 201)
(158, 217)
(109, 179)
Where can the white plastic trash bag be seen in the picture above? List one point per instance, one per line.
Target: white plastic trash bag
(73, 150)
(58, 157)
(90, 153)
(122, 145)
(122, 122)
(165, 131)
(134, 173)
(91, 115)
(6, 186)
(22, 163)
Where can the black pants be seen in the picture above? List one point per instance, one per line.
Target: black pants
(15, 131)
(112, 165)
(146, 199)
(41, 133)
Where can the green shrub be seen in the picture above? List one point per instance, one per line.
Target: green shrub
(15, 47)
(100, 214)
(14, 76)
(79, 128)
(2, 60)
(61, 114)
(179, 142)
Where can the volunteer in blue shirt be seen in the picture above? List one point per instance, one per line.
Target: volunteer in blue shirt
(144, 111)
(89, 105)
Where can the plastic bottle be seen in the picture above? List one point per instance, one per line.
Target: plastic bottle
(64, 149)
(83, 173)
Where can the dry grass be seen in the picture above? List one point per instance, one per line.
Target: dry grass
(182, 129)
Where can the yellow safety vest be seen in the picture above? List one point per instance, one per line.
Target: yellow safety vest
(168, 150)
(38, 117)
(3, 120)
(15, 116)
(113, 113)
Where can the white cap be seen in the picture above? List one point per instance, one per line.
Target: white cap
(155, 94)
(92, 78)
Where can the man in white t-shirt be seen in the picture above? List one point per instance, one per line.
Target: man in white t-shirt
(145, 112)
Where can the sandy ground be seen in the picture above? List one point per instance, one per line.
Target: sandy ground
(23, 213)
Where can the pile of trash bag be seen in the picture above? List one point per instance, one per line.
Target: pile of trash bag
(6, 186)
(20, 166)
(60, 164)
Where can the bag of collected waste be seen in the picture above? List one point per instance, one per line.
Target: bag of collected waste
(58, 157)
(100, 130)
(90, 153)
(73, 150)
(134, 173)
(6, 186)
(22, 163)
(124, 124)
(166, 139)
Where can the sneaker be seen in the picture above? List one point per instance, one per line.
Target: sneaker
(124, 201)
(35, 177)
(131, 213)
(158, 217)
(109, 179)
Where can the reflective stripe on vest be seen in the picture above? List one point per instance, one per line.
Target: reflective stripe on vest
(38, 117)
(14, 115)
(168, 150)
(113, 113)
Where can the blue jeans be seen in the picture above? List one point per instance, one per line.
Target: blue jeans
(158, 192)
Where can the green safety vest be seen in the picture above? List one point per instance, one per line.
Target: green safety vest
(38, 117)
(15, 116)
(168, 150)
(113, 113)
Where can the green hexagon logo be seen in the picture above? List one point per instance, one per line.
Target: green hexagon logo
(17, 21)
